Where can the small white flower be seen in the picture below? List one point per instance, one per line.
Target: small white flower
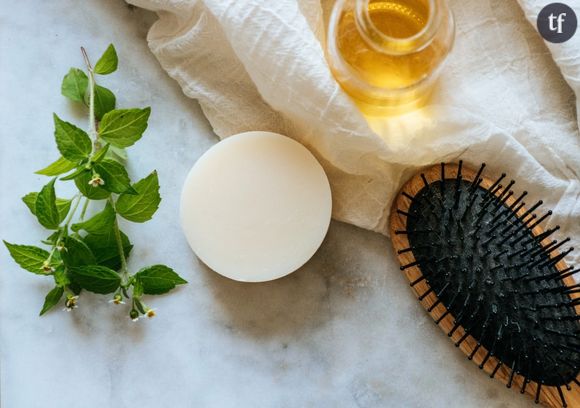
(47, 268)
(150, 313)
(71, 303)
(96, 181)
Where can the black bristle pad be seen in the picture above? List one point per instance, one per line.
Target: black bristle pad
(495, 278)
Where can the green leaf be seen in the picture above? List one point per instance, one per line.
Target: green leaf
(30, 201)
(62, 205)
(73, 143)
(93, 193)
(105, 248)
(76, 253)
(56, 259)
(97, 279)
(52, 239)
(74, 84)
(137, 290)
(141, 207)
(75, 287)
(123, 127)
(101, 223)
(45, 207)
(105, 101)
(100, 154)
(118, 154)
(158, 279)
(60, 277)
(80, 170)
(29, 257)
(108, 62)
(57, 168)
(52, 299)
(115, 176)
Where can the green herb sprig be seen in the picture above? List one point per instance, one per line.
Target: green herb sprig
(91, 254)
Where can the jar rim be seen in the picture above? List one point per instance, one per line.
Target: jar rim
(385, 43)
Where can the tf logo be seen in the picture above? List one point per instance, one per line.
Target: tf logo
(557, 23)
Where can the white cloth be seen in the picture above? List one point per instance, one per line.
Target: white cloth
(259, 65)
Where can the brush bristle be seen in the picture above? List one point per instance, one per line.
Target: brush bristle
(495, 277)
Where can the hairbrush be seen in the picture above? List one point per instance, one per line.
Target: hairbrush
(492, 278)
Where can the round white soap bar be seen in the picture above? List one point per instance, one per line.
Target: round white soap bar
(256, 206)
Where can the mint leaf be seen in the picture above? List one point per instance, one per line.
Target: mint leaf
(52, 299)
(60, 277)
(76, 253)
(29, 257)
(100, 223)
(158, 279)
(118, 154)
(52, 239)
(30, 201)
(74, 84)
(105, 101)
(123, 127)
(93, 193)
(45, 207)
(105, 248)
(97, 279)
(57, 168)
(73, 143)
(100, 154)
(62, 205)
(108, 61)
(115, 176)
(141, 207)
(80, 170)
(138, 290)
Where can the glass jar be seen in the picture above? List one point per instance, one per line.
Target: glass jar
(386, 54)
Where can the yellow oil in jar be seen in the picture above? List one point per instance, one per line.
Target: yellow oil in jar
(397, 78)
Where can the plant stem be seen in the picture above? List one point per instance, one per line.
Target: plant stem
(92, 123)
(65, 226)
(84, 210)
(72, 213)
(96, 146)
(117, 231)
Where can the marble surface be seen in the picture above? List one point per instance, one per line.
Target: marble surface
(344, 331)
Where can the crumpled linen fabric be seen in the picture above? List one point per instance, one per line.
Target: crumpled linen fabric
(505, 97)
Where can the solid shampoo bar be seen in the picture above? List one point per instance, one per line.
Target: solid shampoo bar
(256, 206)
